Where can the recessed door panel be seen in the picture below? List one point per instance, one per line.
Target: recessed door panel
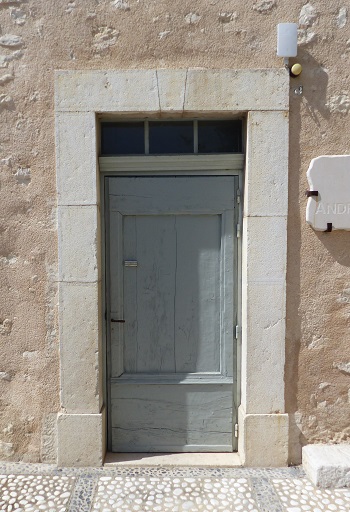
(172, 417)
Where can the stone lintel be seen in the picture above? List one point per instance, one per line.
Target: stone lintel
(171, 90)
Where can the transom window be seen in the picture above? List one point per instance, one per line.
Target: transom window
(170, 137)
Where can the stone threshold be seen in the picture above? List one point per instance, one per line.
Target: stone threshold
(217, 460)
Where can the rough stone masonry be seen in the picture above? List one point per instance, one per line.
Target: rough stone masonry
(40, 36)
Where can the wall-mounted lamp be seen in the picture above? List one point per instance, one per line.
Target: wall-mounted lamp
(287, 45)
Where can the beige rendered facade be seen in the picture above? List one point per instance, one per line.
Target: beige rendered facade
(63, 66)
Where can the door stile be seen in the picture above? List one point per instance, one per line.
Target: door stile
(227, 293)
(237, 339)
(106, 304)
(116, 295)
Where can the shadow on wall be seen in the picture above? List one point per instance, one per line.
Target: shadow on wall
(314, 81)
(337, 244)
(315, 91)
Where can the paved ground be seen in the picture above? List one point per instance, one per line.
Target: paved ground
(33, 488)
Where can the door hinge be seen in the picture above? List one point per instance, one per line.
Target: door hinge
(238, 330)
(236, 430)
(238, 196)
(238, 230)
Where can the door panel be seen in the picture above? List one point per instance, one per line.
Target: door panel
(197, 305)
(153, 195)
(149, 291)
(178, 418)
(171, 367)
(172, 250)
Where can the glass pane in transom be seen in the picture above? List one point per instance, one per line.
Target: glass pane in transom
(220, 136)
(167, 137)
(122, 138)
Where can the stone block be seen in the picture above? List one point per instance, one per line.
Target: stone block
(263, 349)
(49, 439)
(78, 243)
(263, 328)
(266, 180)
(77, 175)
(104, 91)
(80, 345)
(228, 90)
(264, 249)
(171, 84)
(81, 439)
(327, 465)
(263, 439)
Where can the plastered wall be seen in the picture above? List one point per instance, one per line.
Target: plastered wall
(39, 36)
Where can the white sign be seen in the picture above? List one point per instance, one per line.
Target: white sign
(330, 177)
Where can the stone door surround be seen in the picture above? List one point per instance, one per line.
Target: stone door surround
(79, 97)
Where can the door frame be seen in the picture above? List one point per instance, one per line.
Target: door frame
(170, 165)
(81, 96)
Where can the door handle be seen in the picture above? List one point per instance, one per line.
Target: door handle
(118, 321)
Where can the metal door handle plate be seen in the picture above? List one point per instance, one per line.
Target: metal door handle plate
(130, 263)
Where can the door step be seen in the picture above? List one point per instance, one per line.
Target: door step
(173, 459)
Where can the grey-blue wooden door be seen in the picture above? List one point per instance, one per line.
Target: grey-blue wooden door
(172, 282)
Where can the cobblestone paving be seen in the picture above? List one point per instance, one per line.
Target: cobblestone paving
(36, 487)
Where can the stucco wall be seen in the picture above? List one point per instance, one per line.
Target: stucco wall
(39, 36)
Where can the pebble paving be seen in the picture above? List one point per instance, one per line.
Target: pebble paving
(174, 494)
(32, 493)
(32, 488)
(299, 495)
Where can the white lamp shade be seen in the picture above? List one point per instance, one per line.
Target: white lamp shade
(287, 39)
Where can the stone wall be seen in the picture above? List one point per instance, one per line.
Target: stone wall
(40, 36)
